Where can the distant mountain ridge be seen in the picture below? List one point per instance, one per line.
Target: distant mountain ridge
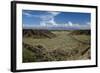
(58, 27)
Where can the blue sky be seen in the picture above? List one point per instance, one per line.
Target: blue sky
(33, 18)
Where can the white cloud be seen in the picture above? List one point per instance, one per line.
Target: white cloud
(27, 14)
(72, 24)
(88, 23)
(42, 23)
(45, 17)
(75, 25)
(48, 20)
(54, 13)
(31, 15)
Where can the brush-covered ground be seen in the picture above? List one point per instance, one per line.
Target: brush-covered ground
(51, 45)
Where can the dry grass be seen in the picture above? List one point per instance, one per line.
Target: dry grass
(62, 47)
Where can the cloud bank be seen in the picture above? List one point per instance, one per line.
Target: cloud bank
(48, 20)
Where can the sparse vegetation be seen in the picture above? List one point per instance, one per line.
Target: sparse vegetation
(77, 32)
(48, 45)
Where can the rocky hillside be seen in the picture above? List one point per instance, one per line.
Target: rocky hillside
(38, 33)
